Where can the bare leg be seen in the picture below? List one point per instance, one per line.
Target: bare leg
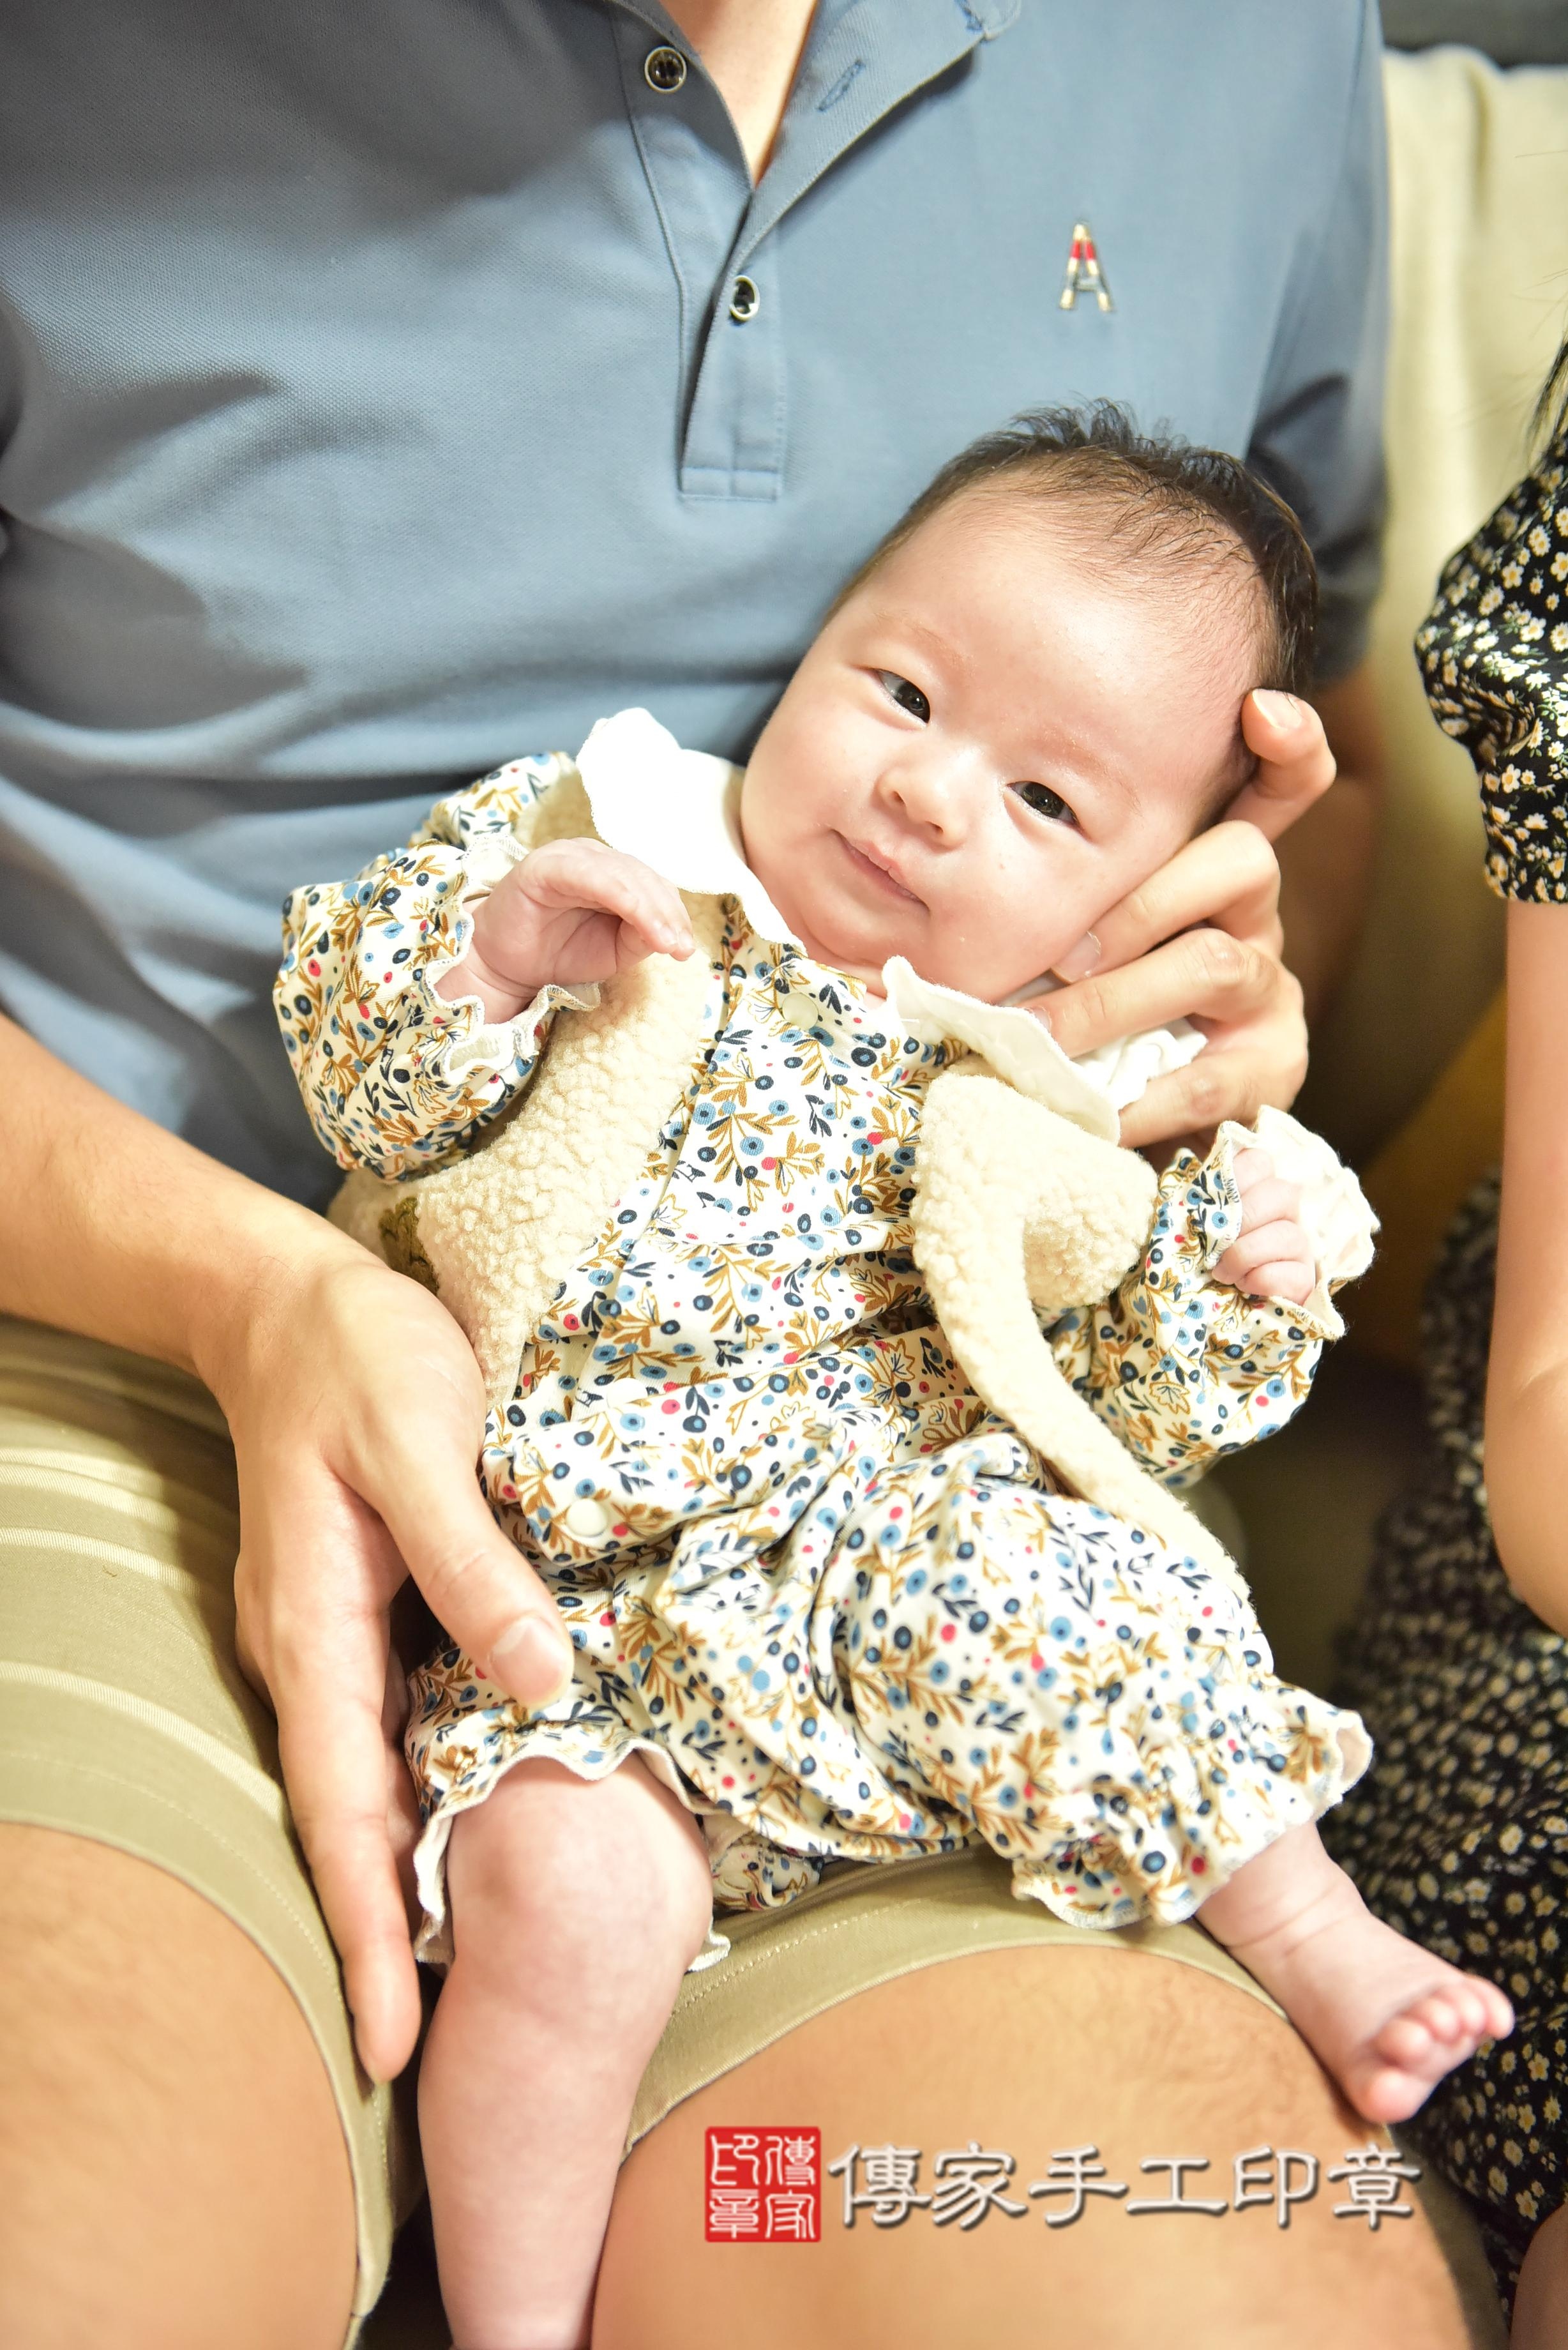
(1540, 2304)
(576, 1904)
(1028, 2051)
(173, 2171)
(1386, 2016)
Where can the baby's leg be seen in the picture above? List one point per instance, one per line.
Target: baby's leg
(576, 1904)
(1103, 1711)
(1386, 2018)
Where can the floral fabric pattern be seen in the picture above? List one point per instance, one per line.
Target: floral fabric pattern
(1460, 1834)
(841, 1608)
(394, 1076)
(1494, 650)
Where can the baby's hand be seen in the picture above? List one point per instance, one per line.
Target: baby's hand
(571, 911)
(1271, 1255)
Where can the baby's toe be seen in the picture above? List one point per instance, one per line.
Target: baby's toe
(1388, 2093)
(1476, 2004)
(1406, 2041)
(1499, 2012)
(1448, 2014)
(1480, 2009)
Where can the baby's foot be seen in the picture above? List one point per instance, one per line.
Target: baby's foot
(1386, 2017)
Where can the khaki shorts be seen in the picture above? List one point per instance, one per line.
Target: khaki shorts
(124, 1718)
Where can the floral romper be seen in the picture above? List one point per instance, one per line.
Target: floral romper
(841, 1609)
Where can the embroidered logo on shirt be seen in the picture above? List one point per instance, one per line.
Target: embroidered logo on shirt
(1084, 270)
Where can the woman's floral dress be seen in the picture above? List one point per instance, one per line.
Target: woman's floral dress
(1460, 1834)
(838, 1605)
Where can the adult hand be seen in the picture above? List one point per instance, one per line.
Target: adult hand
(1201, 941)
(356, 1410)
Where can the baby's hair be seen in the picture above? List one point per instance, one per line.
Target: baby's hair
(1157, 503)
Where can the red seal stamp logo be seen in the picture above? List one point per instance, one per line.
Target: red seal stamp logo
(764, 2186)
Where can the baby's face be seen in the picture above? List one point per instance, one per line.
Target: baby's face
(986, 748)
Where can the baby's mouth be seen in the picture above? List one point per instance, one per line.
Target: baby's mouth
(884, 876)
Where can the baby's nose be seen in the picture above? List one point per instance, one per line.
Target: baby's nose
(932, 792)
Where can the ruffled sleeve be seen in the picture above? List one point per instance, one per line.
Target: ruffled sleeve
(392, 1075)
(1186, 1368)
(1494, 652)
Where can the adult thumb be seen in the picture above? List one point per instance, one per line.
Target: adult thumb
(486, 1595)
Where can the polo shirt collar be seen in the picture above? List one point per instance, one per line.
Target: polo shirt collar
(858, 67)
(862, 59)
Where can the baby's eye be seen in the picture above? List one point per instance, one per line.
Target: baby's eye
(1045, 802)
(908, 697)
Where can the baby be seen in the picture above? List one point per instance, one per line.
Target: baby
(825, 1602)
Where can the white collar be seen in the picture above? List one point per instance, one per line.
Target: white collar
(679, 811)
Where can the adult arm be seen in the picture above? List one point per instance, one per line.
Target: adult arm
(1527, 1380)
(356, 1408)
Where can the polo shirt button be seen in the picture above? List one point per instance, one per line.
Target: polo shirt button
(745, 300)
(664, 69)
(587, 1519)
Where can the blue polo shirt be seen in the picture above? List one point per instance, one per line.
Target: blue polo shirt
(391, 387)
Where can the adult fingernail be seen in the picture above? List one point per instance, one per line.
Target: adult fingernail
(1283, 709)
(374, 2069)
(533, 1660)
(1079, 960)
